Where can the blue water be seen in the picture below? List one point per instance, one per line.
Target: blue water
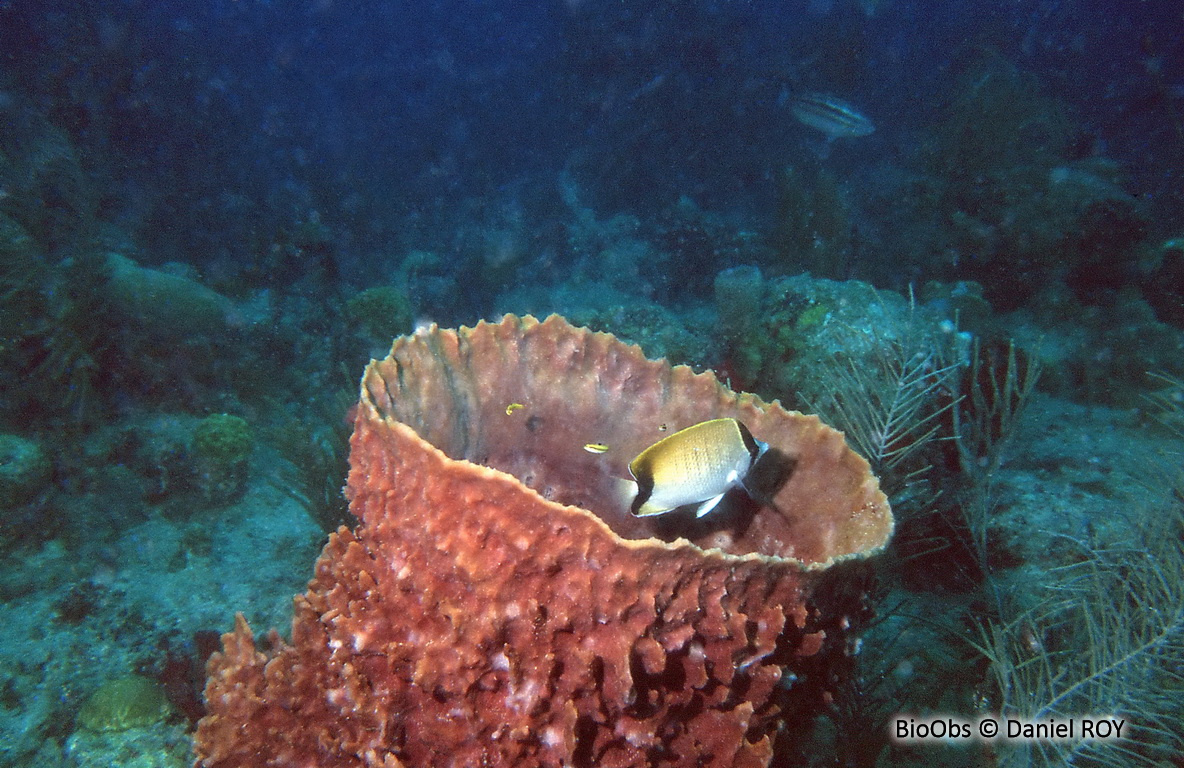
(402, 124)
(288, 185)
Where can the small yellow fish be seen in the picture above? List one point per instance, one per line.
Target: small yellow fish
(595, 447)
(513, 407)
(696, 465)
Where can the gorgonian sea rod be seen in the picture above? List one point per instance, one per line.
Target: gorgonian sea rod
(497, 605)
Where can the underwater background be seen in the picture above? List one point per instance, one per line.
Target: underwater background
(954, 229)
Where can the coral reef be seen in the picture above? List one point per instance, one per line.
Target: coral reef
(889, 403)
(98, 326)
(653, 327)
(24, 470)
(781, 333)
(498, 605)
(44, 184)
(1077, 649)
(999, 193)
(1098, 354)
(157, 746)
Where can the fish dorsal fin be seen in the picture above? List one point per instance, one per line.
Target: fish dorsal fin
(756, 448)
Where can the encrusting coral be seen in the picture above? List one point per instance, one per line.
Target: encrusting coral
(498, 606)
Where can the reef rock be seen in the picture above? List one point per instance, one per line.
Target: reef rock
(498, 606)
(165, 305)
(25, 470)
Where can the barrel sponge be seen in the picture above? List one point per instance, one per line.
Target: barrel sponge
(498, 606)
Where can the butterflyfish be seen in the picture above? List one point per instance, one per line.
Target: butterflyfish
(696, 465)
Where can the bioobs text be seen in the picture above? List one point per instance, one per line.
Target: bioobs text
(1085, 728)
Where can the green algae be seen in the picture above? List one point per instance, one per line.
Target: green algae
(811, 317)
(382, 311)
(224, 438)
(125, 702)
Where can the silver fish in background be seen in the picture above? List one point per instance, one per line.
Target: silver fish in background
(831, 115)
